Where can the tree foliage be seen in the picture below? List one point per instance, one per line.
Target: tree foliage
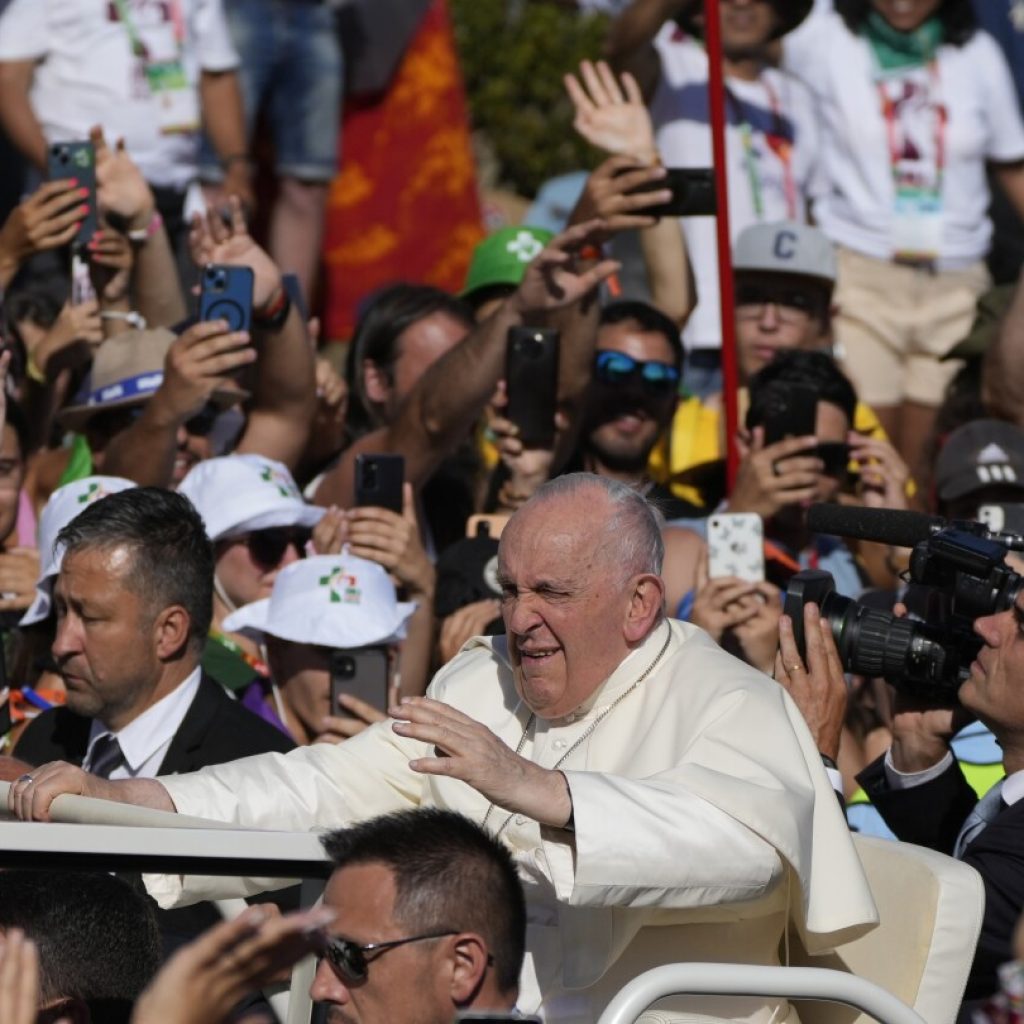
(513, 57)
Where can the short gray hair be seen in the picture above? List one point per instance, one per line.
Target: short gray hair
(634, 527)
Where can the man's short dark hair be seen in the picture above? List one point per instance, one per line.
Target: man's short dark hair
(650, 319)
(814, 369)
(957, 17)
(449, 873)
(172, 558)
(97, 937)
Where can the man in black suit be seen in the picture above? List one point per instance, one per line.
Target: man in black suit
(133, 601)
(922, 794)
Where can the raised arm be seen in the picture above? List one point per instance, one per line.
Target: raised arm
(283, 403)
(16, 116)
(630, 43)
(453, 392)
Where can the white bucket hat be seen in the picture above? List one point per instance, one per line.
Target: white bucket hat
(330, 601)
(243, 493)
(64, 505)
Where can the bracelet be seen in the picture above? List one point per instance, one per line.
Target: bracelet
(235, 158)
(131, 318)
(828, 762)
(276, 312)
(32, 370)
(142, 235)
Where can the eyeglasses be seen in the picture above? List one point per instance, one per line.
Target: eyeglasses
(268, 547)
(617, 369)
(348, 958)
(792, 304)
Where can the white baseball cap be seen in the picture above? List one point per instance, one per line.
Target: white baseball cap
(243, 493)
(64, 505)
(330, 601)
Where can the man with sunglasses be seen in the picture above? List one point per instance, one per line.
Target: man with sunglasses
(431, 921)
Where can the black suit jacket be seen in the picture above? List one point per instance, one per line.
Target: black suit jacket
(931, 815)
(215, 729)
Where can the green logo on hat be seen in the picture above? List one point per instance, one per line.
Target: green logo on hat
(285, 487)
(342, 586)
(524, 246)
(94, 493)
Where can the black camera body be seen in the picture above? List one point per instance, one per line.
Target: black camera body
(964, 576)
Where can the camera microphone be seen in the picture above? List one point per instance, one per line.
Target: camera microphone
(901, 529)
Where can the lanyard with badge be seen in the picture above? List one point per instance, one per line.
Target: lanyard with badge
(909, 89)
(176, 100)
(776, 141)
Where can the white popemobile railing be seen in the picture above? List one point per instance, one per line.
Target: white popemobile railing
(935, 945)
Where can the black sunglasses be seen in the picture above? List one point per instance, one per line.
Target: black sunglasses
(616, 369)
(268, 547)
(348, 958)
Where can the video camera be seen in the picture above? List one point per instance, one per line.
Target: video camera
(962, 567)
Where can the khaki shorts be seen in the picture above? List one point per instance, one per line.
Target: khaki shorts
(895, 322)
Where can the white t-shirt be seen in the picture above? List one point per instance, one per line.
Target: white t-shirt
(88, 74)
(983, 122)
(779, 111)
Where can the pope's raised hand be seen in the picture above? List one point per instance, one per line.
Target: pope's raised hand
(467, 750)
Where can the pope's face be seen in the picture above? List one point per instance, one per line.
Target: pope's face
(565, 602)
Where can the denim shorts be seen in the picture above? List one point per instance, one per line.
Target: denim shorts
(291, 68)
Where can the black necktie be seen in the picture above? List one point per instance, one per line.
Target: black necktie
(106, 756)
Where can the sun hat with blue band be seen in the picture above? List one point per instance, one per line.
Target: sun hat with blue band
(128, 370)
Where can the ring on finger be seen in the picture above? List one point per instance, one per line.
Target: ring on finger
(25, 778)
(795, 668)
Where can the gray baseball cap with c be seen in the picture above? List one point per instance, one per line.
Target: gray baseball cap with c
(786, 247)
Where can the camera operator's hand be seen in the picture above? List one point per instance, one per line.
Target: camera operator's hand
(19, 979)
(110, 264)
(213, 241)
(770, 478)
(608, 195)
(921, 733)
(330, 533)
(200, 361)
(818, 688)
(611, 113)
(19, 570)
(883, 474)
(74, 325)
(527, 468)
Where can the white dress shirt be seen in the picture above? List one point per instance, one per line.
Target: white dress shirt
(145, 740)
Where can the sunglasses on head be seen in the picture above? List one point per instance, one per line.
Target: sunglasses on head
(268, 547)
(348, 958)
(617, 369)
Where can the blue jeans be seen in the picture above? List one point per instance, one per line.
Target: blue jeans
(291, 67)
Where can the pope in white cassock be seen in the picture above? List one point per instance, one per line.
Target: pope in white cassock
(663, 800)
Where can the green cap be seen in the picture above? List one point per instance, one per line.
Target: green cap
(992, 307)
(502, 258)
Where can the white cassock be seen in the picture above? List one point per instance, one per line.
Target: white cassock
(704, 821)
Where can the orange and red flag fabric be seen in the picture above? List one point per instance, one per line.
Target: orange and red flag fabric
(405, 205)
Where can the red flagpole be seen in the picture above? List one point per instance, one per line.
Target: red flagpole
(716, 96)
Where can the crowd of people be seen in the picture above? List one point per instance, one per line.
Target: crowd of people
(489, 606)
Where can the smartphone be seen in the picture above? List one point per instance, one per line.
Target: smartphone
(379, 480)
(362, 672)
(77, 160)
(736, 546)
(531, 383)
(693, 193)
(1005, 518)
(226, 294)
(791, 410)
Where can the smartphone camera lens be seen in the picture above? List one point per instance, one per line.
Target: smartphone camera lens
(370, 476)
(347, 666)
